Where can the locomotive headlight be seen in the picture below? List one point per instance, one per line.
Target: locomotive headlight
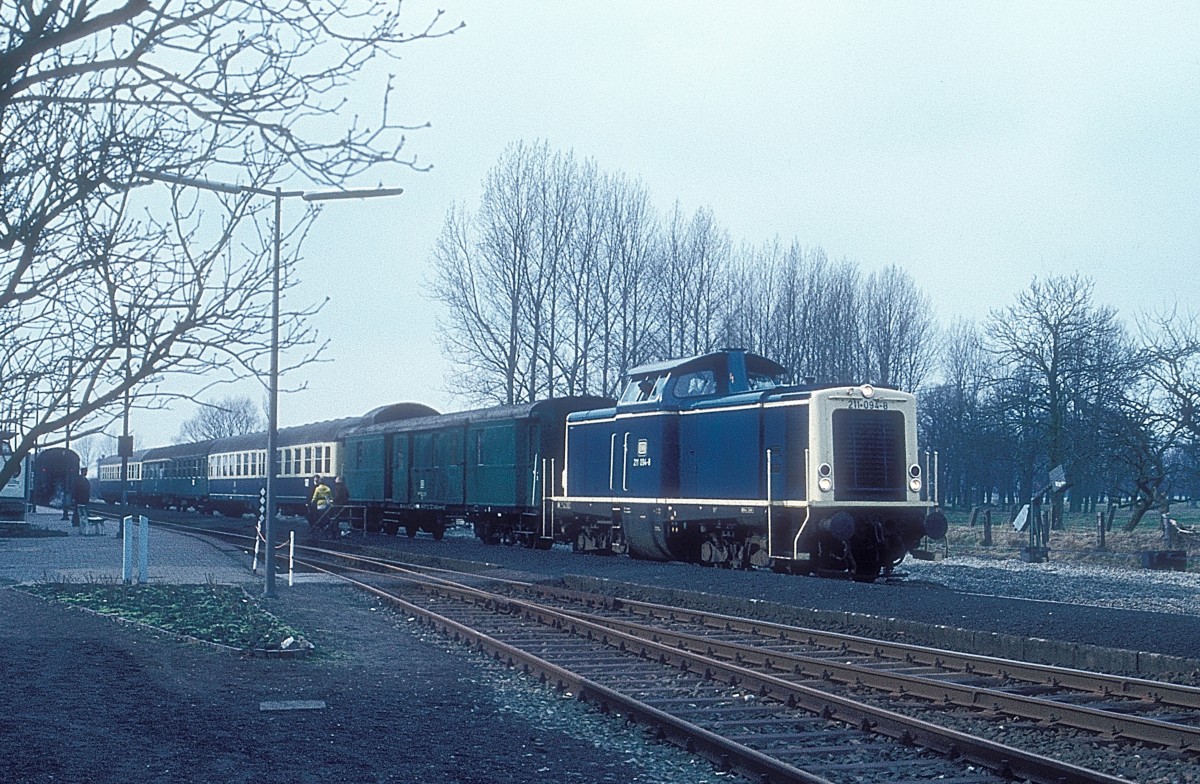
(825, 474)
(914, 484)
(867, 390)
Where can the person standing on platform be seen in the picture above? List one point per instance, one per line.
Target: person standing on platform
(320, 500)
(82, 496)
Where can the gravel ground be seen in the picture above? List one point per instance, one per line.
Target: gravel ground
(1070, 583)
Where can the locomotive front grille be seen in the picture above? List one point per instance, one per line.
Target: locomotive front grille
(868, 455)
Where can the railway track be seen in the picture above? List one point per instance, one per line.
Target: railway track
(735, 696)
(781, 703)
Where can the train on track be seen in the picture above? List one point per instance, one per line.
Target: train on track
(709, 459)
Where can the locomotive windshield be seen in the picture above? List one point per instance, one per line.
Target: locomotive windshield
(644, 389)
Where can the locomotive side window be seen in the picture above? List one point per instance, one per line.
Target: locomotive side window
(697, 384)
(762, 381)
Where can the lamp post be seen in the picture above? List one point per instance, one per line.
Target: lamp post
(278, 194)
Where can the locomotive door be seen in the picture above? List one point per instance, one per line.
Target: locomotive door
(785, 436)
(644, 457)
(618, 452)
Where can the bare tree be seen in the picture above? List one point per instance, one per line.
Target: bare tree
(955, 421)
(627, 246)
(899, 331)
(1052, 341)
(1171, 342)
(693, 262)
(229, 416)
(1157, 423)
(572, 354)
(99, 301)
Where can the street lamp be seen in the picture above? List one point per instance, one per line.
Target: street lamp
(278, 195)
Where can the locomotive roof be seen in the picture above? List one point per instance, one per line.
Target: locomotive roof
(755, 363)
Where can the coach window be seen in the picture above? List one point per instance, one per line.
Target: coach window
(697, 384)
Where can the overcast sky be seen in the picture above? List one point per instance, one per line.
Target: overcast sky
(976, 145)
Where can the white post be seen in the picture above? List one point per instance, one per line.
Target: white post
(143, 550)
(127, 550)
(291, 556)
(257, 538)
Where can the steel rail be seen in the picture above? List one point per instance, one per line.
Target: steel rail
(1180, 737)
(976, 664)
(722, 752)
(1007, 760)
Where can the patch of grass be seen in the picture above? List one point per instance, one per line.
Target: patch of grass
(1078, 540)
(222, 614)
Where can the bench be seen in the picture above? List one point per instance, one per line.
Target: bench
(93, 524)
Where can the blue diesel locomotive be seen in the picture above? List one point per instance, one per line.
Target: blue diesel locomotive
(711, 460)
(708, 460)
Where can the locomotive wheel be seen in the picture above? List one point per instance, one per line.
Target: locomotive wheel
(867, 570)
(411, 530)
(438, 530)
(713, 553)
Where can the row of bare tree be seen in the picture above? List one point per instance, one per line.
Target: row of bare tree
(564, 278)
